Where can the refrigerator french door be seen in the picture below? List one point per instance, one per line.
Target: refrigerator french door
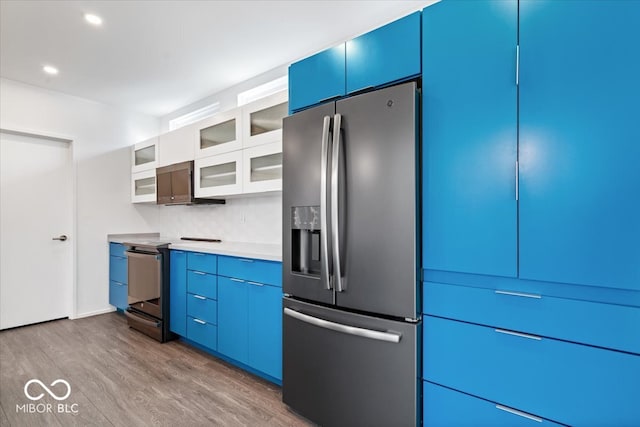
(351, 323)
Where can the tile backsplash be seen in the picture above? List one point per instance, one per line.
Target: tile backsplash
(246, 219)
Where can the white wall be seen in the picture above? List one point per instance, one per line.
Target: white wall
(101, 138)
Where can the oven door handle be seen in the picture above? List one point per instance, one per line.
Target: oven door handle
(142, 255)
(141, 320)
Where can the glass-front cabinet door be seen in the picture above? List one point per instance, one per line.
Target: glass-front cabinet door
(219, 134)
(219, 175)
(144, 155)
(262, 119)
(143, 187)
(262, 168)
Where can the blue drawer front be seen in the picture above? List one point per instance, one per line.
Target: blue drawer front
(444, 407)
(117, 249)
(569, 383)
(202, 284)
(317, 78)
(202, 308)
(205, 333)
(604, 325)
(384, 55)
(269, 272)
(118, 295)
(202, 262)
(118, 269)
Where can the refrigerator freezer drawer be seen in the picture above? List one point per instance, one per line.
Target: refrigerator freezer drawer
(349, 369)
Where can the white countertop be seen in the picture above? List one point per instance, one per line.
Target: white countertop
(265, 251)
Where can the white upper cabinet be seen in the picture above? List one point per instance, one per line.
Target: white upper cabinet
(176, 146)
(143, 186)
(219, 175)
(219, 134)
(144, 155)
(262, 168)
(262, 119)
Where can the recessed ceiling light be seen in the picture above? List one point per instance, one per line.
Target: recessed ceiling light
(50, 70)
(92, 19)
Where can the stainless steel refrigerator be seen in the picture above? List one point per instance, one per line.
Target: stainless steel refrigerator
(351, 323)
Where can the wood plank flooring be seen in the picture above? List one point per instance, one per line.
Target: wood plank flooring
(120, 377)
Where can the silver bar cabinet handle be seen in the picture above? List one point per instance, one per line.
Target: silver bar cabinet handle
(199, 297)
(324, 239)
(335, 225)
(200, 321)
(339, 327)
(518, 294)
(518, 334)
(519, 413)
(255, 283)
(236, 280)
(517, 64)
(517, 181)
(199, 272)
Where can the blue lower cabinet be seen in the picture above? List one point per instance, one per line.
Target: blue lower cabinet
(265, 329)
(202, 308)
(233, 319)
(206, 263)
(569, 383)
(118, 295)
(269, 272)
(178, 293)
(118, 269)
(444, 407)
(202, 332)
(202, 283)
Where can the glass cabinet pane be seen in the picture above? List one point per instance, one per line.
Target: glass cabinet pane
(266, 168)
(217, 175)
(218, 134)
(145, 186)
(145, 155)
(268, 119)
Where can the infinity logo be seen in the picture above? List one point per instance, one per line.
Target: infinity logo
(52, 394)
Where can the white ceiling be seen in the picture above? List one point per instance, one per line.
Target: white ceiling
(157, 56)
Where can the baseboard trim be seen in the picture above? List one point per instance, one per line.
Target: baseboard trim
(93, 313)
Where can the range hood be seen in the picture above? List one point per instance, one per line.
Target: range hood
(174, 184)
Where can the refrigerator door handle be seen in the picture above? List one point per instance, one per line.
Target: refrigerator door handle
(335, 224)
(325, 273)
(345, 329)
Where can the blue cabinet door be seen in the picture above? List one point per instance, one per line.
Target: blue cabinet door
(470, 137)
(233, 319)
(265, 329)
(579, 142)
(178, 293)
(118, 295)
(118, 269)
(384, 55)
(317, 78)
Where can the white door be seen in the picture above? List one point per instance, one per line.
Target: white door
(36, 206)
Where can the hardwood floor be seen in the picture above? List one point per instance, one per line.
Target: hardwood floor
(120, 377)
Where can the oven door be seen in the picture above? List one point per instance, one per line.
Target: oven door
(145, 282)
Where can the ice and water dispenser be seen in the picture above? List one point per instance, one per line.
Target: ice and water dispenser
(305, 236)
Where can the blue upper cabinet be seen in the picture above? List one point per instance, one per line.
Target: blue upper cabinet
(384, 55)
(580, 142)
(317, 78)
(470, 137)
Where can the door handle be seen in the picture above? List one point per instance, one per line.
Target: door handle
(345, 329)
(324, 212)
(62, 238)
(335, 208)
